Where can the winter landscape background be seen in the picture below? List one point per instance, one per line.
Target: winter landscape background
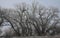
(30, 18)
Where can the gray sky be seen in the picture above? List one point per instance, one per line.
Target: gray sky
(11, 3)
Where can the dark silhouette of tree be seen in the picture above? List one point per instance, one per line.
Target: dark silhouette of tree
(32, 19)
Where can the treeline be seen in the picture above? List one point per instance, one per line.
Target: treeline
(30, 20)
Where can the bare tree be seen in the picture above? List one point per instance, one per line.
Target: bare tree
(39, 17)
(32, 20)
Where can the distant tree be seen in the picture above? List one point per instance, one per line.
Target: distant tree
(4, 15)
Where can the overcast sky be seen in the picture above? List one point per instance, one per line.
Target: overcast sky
(11, 3)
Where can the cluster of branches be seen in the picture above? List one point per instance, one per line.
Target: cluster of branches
(33, 19)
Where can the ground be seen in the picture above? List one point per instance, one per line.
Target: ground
(57, 36)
